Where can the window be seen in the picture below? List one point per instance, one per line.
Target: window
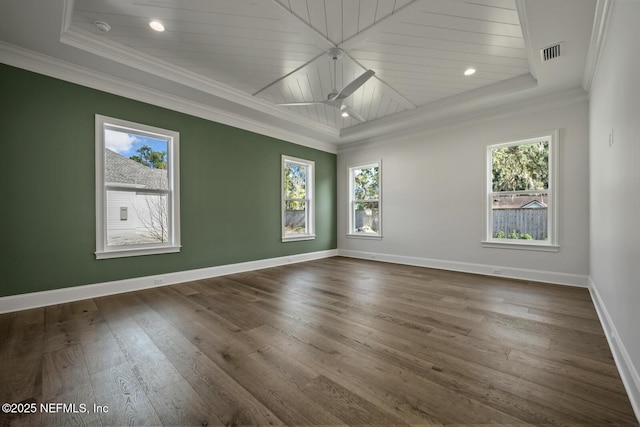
(137, 183)
(521, 194)
(297, 199)
(364, 201)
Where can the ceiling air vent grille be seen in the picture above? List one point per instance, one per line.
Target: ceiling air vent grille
(550, 52)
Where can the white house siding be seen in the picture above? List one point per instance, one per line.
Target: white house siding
(143, 207)
(116, 200)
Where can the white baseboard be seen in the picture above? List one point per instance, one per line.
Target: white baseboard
(466, 267)
(75, 293)
(626, 368)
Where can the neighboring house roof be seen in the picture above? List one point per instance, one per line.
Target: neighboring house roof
(121, 170)
(534, 204)
(519, 202)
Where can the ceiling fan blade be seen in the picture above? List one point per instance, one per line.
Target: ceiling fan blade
(352, 113)
(354, 85)
(300, 104)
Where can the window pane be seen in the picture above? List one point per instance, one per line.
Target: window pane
(134, 160)
(295, 217)
(521, 167)
(366, 217)
(295, 181)
(146, 220)
(522, 216)
(366, 183)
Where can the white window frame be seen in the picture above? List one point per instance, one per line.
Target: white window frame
(309, 200)
(103, 251)
(351, 232)
(549, 245)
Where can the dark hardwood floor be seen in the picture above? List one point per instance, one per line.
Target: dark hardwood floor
(329, 342)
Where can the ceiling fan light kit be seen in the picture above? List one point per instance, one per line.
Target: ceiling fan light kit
(336, 98)
(102, 26)
(335, 53)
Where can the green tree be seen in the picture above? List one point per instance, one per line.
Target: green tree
(295, 188)
(366, 186)
(295, 185)
(521, 167)
(150, 158)
(366, 183)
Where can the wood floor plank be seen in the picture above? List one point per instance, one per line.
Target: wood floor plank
(26, 336)
(287, 367)
(329, 342)
(228, 400)
(21, 358)
(418, 367)
(102, 354)
(565, 370)
(64, 370)
(79, 409)
(320, 358)
(271, 387)
(21, 379)
(180, 405)
(117, 389)
(75, 329)
(348, 406)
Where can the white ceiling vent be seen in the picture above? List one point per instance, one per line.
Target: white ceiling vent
(550, 52)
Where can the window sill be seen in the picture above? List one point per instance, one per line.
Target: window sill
(122, 253)
(364, 236)
(541, 247)
(299, 237)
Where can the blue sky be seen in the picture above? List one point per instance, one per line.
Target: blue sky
(126, 144)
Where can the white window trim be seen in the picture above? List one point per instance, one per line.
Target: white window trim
(310, 199)
(551, 244)
(351, 234)
(173, 155)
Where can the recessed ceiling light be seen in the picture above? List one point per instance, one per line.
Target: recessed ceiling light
(157, 26)
(469, 71)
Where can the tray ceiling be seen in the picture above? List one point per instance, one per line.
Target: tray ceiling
(275, 51)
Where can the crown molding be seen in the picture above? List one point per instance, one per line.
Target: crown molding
(46, 65)
(435, 113)
(88, 42)
(475, 116)
(598, 35)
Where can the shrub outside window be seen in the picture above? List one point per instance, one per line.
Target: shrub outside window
(137, 189)
(297, 199)
(364, 201)
(521, 195)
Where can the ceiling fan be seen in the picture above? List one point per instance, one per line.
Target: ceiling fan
(335, 98)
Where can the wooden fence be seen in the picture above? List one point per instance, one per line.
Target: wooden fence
(296, 218)
(522, 221)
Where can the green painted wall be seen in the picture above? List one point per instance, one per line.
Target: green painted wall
(230, 188)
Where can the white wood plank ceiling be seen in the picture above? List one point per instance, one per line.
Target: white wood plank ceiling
(275, 50)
